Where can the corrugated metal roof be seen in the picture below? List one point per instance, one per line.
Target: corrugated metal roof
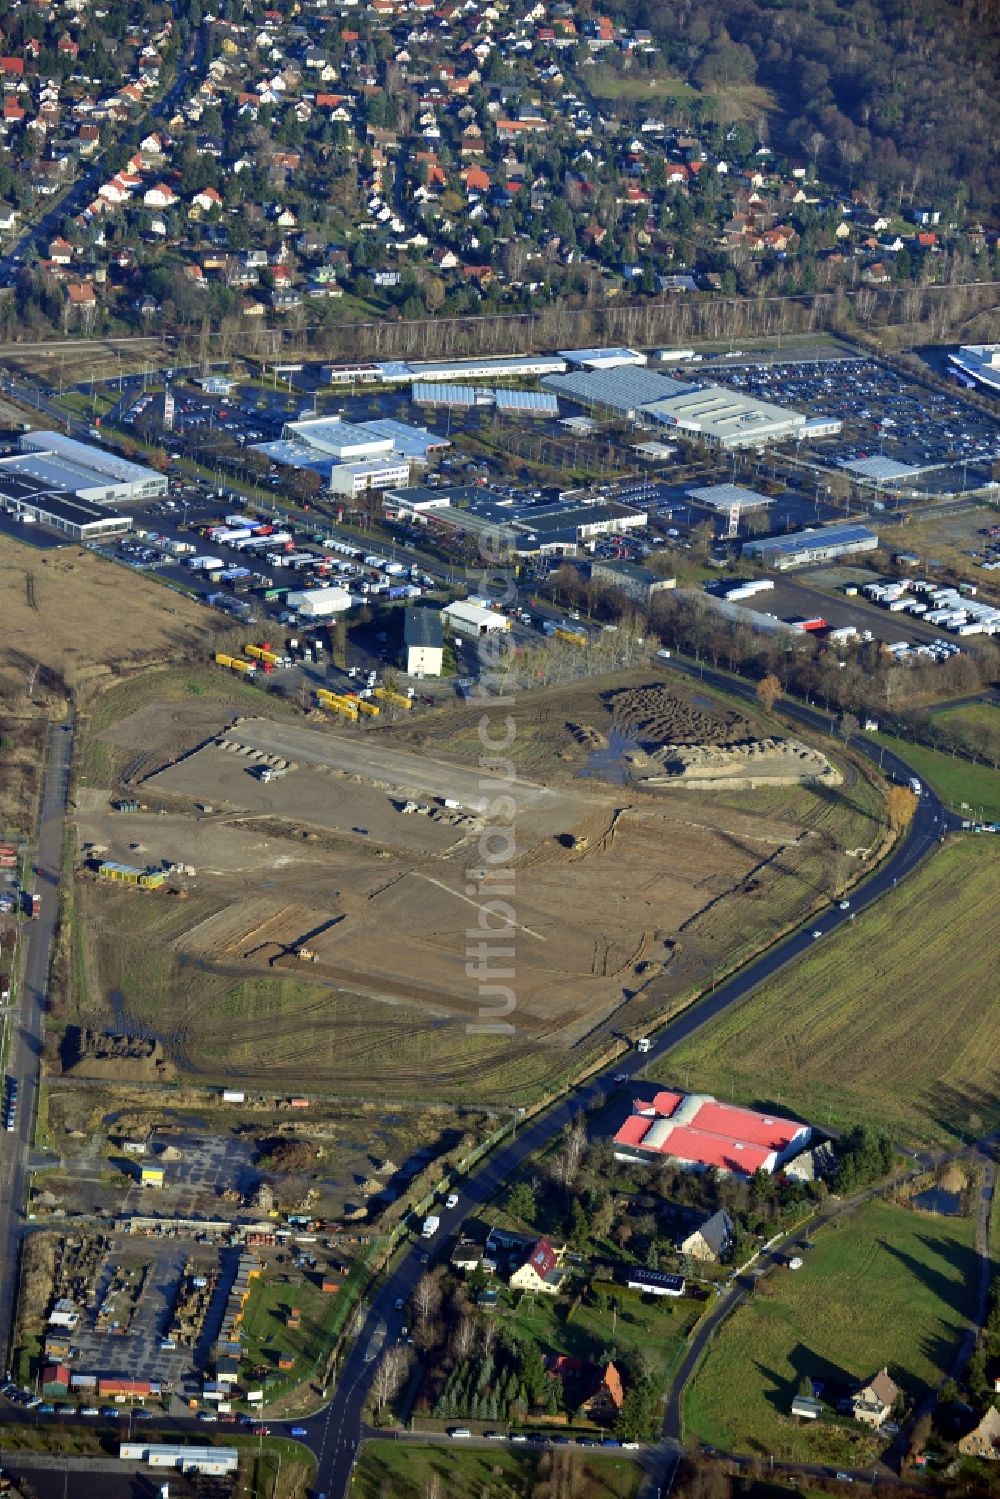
(879, 468)
(813, 540)
(537, 401)
(434, 393)
(722, 496)
(624, 389)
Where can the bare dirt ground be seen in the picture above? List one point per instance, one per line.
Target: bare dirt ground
(620, 895)
(79, 618)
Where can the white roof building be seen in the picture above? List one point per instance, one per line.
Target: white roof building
(337, 439)
(727, 418)
(90, 473)
(469, 618)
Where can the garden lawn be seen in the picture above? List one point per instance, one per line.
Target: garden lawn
(884, 1286)
(656, 1327)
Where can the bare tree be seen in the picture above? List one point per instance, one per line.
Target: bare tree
(389, 1375)
(463, 1339)
(426, 1297)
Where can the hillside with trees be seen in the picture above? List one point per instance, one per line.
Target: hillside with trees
(896, 98)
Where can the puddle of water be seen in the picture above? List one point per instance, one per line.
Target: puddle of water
(609, 764)
(939, 1200)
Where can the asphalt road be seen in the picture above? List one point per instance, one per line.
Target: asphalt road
(25, 1049)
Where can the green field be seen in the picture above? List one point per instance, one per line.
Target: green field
(894, 1020)
(885, 1286)
(656, 1328)
(954, 780)
(266, 1335)
(972, 716)
(403, 1470)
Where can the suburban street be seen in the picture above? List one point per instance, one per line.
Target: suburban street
(42, 229)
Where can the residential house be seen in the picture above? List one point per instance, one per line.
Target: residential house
(873, 1404)
(711, 1241)
(606, 1397)
(541, 1271)
(984, 1440)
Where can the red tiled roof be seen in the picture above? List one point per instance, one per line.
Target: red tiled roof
(543, 1259)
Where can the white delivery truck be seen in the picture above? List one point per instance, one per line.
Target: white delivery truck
(431, 1226)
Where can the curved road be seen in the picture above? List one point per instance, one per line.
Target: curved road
(334, 1435)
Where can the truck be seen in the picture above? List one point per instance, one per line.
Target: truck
(915, 786)
(34, 905)
(644, 1044)
(430, 1227)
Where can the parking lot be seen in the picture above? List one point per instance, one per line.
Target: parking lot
(883, 416)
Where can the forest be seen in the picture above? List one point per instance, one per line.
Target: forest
(896, 98)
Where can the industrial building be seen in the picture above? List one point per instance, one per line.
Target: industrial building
(464, 397)
(418, 502)
(515, 367)
(128, 874)
(978, 364)
(217, 1462)
(700, 1134)
(562, 528)
(467, 617)
(423, 643)
(623, 391)
(820, 544)
(601, 359)
(333, 438)
(88, 473)
(730, 500)
(727, 418)
(352, 479)
(415, 443)
(639, 583)
(31, 501)
(318, 603)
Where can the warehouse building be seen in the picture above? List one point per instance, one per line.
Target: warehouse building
(423, 643)
(330, 437)
(700, 1134)
(469, 618)
(560, 529)
(417, 502)
(639, 583)
(622, 392)
(415, 443)
(88, 473)
(803, 548)
(32, 502)
(516, 367)
(978, 364)
(601, 359)
(727, 418)
(217, 1462)
(352, 479)
(318, 603)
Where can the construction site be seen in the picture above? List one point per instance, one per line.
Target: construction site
(321, 883)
